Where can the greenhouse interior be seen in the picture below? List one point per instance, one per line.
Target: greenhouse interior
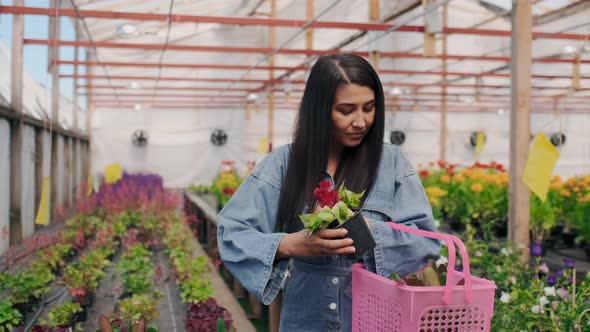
(438, 160)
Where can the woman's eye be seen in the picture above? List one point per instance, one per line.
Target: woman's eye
(369, 108)
(345, 111)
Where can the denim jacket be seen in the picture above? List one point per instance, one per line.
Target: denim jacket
(317, 291)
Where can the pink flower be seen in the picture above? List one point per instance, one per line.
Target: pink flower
(563, 293)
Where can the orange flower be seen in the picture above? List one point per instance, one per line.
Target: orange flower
(565, 193)
(458, 177)
(445, 179)
(476, 187)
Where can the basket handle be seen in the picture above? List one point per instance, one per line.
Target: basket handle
(451, 241)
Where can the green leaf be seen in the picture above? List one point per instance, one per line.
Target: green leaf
(307, 219)
(340, 210)
(326, 214)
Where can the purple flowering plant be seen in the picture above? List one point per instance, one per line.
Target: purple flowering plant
(531, 297)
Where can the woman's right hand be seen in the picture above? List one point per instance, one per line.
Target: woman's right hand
(324, 242)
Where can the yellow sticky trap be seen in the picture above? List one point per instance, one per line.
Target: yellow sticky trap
(43, 212)
(263, 145)
(540, 165)
(112, 173)
(479, 142)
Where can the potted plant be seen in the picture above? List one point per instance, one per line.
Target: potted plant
(62, 316)
(204, 316)
(138, 306)
(334, 210)
(543, 219)
(9, 317)
(117, 324)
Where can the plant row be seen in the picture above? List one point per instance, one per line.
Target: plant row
(475, 200)
(204, 314)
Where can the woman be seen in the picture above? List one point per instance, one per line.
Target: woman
(339, 137)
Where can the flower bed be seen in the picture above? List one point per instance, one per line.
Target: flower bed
(195, 289)
(224, 185)
(474, 200)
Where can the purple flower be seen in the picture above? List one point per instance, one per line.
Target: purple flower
(560, 273)
(551, 280)
(569, 263)
(536, 250)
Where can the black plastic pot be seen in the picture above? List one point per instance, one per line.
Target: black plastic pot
(569, 237)
(80, 317)
(359, 232)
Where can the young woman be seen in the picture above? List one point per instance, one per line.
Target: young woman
(339, 137)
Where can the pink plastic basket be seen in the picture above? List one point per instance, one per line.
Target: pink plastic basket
(381, 304)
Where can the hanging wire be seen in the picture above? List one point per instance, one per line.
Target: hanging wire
(167, 41)
(395, 28)
(94, 49)
(267, 56)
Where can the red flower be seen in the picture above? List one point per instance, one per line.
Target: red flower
(424, 173)
(325, 195)
(441, 164)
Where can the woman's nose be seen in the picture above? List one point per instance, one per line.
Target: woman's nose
(359, 120)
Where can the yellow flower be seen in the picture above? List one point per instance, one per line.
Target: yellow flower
(467, 172)
(433, 201)
(556, 178)
(576, 189)
(556, 185)
(565, 193)
(476, 187)
(445, 179)
(435, 192)
(458, 177)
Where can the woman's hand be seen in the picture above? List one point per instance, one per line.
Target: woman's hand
(324, 242)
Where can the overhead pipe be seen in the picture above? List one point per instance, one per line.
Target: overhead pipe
(253, 21)
(385, 84)
(300, 68)
(266, 50)
(175, 65)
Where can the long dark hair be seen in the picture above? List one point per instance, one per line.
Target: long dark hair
(358, 166)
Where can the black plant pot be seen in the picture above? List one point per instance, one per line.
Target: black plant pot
(569, 238)
(359, 232)
(80, 317)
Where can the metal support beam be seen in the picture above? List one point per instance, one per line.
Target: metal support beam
(16, 68)
(54, 30)
(271, 61)
(266, 50)
(253, 21)
(374, 16)
(300, 68)
(519, 200)
(75, 109)
(443, 113)
(16, 157)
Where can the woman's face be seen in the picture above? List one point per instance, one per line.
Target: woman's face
(353, 114)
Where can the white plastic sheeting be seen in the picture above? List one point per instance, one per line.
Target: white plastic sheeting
(28, 182)
(4, 185)
(178, 148)
(422, 143)
(37, 98)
